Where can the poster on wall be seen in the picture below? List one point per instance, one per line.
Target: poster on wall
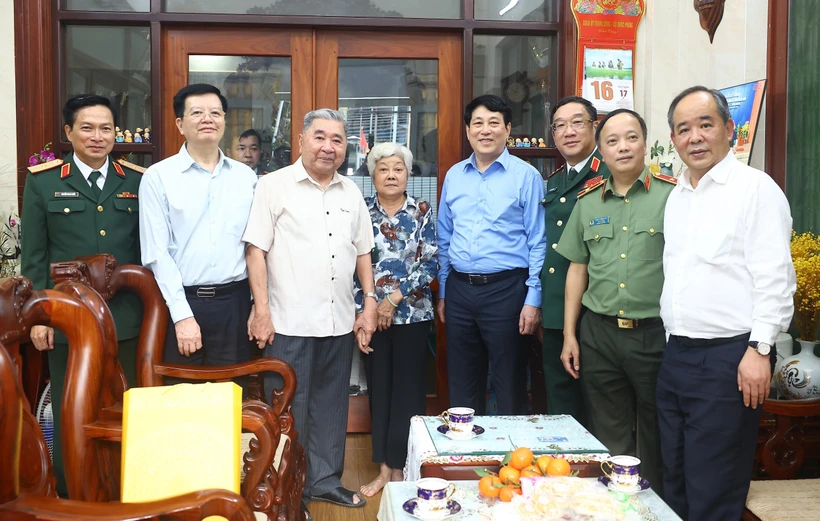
(608, 79)
(607, 35)
(745, 101)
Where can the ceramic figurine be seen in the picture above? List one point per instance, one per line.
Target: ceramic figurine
(138, 135)
(128, 138)
(534, 143)
(518, 143)
(118, 137)
(541, 143)
(146, 137)
(510, 143)
(526, 142)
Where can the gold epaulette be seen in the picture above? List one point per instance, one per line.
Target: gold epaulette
(591, 185)
(664, 177)
(132, 166)
(555, 171)
(42, 167)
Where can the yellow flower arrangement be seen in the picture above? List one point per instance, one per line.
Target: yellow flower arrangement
(806, 257)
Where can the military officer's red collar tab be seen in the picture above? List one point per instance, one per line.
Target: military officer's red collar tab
(595, 164)
(647, 179)
(118, 168)
(65, 171)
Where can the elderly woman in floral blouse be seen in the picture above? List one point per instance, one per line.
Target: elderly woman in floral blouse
(405, 262)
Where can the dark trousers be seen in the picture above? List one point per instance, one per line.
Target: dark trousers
(482, 326)
(320, 404)
(619, 374)
(396, 384)
(564, 395)
(57, 364)
(708, 436)
(223, 323)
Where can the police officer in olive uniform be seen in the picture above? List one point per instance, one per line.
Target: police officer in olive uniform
(574, 120)
(82, 205)
(614, 241)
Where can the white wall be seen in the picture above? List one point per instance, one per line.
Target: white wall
(674, 53)
(8, 106)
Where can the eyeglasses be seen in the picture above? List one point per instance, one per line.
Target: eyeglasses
(576, 124)
(199, 114)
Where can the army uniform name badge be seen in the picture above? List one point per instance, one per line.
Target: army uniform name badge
(599, 220)
(66, 195)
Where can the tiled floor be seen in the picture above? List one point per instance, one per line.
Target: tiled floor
(359, 469)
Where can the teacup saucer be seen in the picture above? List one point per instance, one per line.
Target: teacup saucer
(477, 431)
(642, 485)
(411, 507)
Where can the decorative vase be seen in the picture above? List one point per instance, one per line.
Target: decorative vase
(798, 377)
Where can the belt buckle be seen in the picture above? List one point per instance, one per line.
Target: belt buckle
(626, 323)
(206, 292)
(479, 279)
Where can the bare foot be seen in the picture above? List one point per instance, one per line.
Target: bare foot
(372, 488)
(396, 475)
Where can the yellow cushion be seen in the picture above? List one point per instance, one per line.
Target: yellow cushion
(784, 499)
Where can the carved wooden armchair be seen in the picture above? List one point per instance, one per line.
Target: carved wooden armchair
(20, 434)
(790, 431)
(274, 472)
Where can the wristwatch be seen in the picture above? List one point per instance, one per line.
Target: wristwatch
(762, 348)
(371, 295)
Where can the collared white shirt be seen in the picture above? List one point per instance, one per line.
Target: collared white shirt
(86, 171)
(727, 263)
(191, 224)
(312, 237)
(580, 164)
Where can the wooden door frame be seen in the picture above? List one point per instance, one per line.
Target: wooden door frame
(178, 43)
(447, 49)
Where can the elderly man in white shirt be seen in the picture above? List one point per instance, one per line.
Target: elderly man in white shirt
(309, 229)
(727, 293)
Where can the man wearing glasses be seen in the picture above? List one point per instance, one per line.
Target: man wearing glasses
(193, 210)
(574, 121)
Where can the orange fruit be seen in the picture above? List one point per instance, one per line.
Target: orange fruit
(558, 467)
(521, 458)
(508, 492)
(531, 472)
(542, 463)
(509, 475)
(486, 486)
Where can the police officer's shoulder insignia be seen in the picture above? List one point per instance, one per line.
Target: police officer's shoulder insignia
(42, 167)
(664, 177)
(591, 185)
(555, 171)
(130, 166)
(595, 164)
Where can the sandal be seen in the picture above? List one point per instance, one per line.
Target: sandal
(342, 497)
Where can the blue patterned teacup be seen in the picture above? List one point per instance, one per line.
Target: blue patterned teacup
(433, 494)
(459, 420)
(624, 471)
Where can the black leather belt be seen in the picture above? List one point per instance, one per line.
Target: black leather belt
(486, 278)
(214, 290)
(630, 323)
(709, 342)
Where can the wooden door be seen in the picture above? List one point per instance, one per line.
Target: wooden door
(419, 105)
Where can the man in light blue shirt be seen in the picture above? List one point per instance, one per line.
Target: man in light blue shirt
(492, 242)
(193, 210)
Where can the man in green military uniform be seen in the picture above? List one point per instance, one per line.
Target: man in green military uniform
(614, 242)
(82, 205)
(574, 120)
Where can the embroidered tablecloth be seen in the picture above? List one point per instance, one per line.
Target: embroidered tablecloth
(558, 435)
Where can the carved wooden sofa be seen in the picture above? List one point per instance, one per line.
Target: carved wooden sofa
(26, 481)
(789, 430)
(274, 470)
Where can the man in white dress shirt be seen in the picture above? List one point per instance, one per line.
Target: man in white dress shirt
(727, 293)
(309, 229)
(193, 210)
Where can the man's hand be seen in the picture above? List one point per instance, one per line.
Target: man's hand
(384, 315)
(571, 356)
(529, 319)
(440, 309)
(260, 327)
(365, 324)
(42, 337)
(754, 374)
(362, 343)
(189, 338)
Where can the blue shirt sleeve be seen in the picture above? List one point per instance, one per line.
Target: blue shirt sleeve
(532, 194)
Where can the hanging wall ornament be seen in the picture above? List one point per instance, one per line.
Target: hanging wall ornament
(711, 13)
